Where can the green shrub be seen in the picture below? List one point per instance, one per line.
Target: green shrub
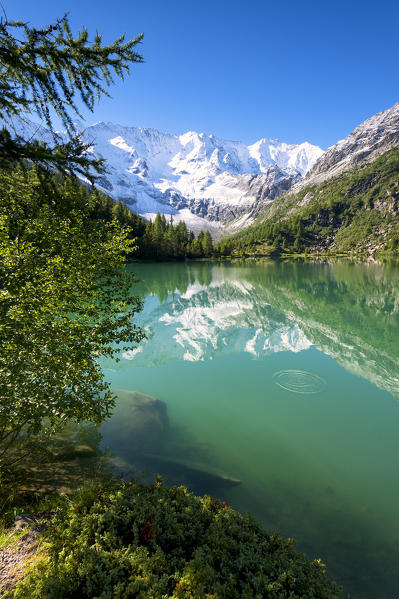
(125, 540)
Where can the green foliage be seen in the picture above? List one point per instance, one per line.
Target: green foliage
(355, 212)
(65, 300)
(126, 540)
(51, 69)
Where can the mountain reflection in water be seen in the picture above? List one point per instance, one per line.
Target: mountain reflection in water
(280, 382)
(348, 311)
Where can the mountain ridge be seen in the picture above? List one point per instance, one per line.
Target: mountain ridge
(371, 138)
(355, 211)
(200, 178)
(347, 202)
(218, 184)
(205, 176)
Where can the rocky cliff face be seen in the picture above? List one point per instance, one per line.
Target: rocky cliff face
(373, 137)
(242, 197)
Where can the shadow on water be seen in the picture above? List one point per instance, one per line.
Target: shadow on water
(316, 455)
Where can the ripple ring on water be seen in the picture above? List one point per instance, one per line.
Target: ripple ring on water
(299, 381)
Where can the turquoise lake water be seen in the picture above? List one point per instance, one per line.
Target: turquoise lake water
(286, 377)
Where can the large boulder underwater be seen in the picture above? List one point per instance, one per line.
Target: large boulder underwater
(143, 443)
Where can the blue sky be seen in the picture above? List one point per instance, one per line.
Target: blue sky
(244, 70)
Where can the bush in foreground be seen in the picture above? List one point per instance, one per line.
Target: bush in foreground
(125, 540)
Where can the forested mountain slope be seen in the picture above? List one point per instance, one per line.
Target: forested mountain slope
(357, 211)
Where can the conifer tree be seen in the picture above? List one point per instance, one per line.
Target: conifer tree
(49, 69)
(158, 234)
(207, 244)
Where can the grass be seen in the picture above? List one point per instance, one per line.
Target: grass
(9, 537)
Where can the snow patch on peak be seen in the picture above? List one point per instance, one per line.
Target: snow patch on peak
(119, 142)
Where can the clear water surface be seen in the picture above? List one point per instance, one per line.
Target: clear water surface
(284, 376)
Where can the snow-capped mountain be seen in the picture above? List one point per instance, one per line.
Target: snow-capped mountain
(212, 178)
(213, 183)
(194, 176)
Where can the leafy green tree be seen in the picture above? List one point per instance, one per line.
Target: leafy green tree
(64, 298)
(49, 69)
(64, 302)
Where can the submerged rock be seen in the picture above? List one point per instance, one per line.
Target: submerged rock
(198, 477)
(139, 422)
(73, 452)
(139, 436)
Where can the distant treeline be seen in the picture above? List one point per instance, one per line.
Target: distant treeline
(158, 239)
